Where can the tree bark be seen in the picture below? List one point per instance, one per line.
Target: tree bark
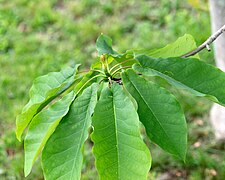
(217, 113)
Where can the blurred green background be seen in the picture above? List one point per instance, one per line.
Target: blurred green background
(40, 36)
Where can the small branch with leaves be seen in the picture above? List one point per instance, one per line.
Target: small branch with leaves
(111, 98)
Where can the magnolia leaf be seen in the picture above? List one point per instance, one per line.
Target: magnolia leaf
(43, 89)
(119, 150)
(196, 76)
(160, 113)
(104, 47)
(131, 98)
(102, 86)
(41, 128)
(62, 157)
(178, 48)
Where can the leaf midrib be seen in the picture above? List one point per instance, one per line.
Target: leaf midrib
(194, 89)
(86, 117)
(45, 97)
(153, 114)
(174, 80)
(39, 105)
(117, 144)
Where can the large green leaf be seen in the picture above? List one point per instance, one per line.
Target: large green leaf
(196, 76)
(42, 90)
(160, 113)
(180, 47)
(131, 98)
(41, 128)
(119, 150)
(62, 156)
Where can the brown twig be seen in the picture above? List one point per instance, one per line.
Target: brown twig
(206, 43)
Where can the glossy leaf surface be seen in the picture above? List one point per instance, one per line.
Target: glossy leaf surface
(119, 150)
(62, 157)
(160, 113)
(178, 48)
(41, 128)
(196, 76)
(42, 90)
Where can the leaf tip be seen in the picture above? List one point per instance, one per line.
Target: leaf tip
(18, 137)
(18, 134)
(27, 171)
(182, 156)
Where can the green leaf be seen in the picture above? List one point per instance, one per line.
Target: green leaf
(41, 128)
(42, 91)
(131, 98)
(119, 150)
(104, 45)
(180, 47)
(102, 86)
(160, 113)
(62, 157)
(191, 74)
(125, 60)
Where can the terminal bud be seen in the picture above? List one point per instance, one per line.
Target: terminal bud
(102, 58)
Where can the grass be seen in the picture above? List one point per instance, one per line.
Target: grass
(40, 36)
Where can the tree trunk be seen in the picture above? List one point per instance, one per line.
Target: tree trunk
(217, 113)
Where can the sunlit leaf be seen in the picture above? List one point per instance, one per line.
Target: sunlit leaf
(41, 128)
(119, 150)
(62, 156)
(160, 113)
(178, 48)
(196, 76)
(42, 90)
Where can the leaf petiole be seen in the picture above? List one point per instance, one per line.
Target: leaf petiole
(120, 64)
(97, 70)
(99, 75)
(125, 67)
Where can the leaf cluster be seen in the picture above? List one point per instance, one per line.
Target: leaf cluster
(112, 98)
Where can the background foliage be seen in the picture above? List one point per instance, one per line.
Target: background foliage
(40, 36)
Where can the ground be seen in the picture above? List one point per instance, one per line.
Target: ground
(41, 36)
